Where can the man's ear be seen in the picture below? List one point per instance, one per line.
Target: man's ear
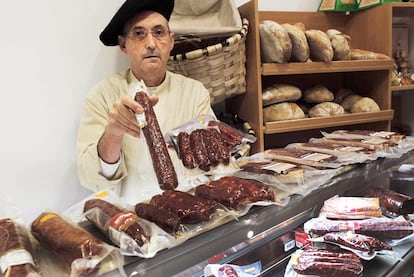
(121, 43)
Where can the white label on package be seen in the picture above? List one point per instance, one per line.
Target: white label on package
(279, 167)
(374, 140)
(15, 257)
(316, 157)
(350, 148)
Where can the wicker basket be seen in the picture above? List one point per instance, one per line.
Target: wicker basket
(219, 63)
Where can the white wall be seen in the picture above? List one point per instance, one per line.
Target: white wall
(50, 57)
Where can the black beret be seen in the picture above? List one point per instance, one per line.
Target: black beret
(109, 35)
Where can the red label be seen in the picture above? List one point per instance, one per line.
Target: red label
(123, 220)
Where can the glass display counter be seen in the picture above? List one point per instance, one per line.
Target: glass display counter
(266, 234)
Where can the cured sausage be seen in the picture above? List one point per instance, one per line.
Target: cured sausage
(230, 136)
(357, 241)
(166, 220)
(105, 216)
(212, 147)
(393, 202)
(67, 241)
(161, 160)
(199, 151)
(15, 243)
(224, 154)
(186, 153)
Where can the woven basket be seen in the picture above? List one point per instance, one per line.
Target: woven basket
(219, 63)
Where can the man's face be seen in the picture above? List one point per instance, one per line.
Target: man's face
(147, 42)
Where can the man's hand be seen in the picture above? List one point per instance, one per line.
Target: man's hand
(121, 121)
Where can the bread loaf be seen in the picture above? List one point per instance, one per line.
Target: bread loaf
(365, 104)
(319, 45)
(349, 101)
(275, 43)
(317, 94)
(359, 54)
(300, 46)
(283, 111)
(340, 44)
(326, 109)
(280, 93)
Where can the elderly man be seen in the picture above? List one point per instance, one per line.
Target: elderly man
(112, 153)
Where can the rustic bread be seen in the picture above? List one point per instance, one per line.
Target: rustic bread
(282, 111)
(320, 46)
(360, 54)
(275, 43)
(340, 44)
(280, 93)
(300, 46)
(326, 109)
(349, 101)
(317, 94)
(365, 104)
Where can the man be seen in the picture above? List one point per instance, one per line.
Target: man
(112, 152)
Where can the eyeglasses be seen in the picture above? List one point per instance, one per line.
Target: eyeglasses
(139, 34)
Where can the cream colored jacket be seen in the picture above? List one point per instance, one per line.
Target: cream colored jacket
(180, 100)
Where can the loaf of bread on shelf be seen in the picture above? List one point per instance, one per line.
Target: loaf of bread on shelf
(326, 109)
(349, 101)
(320, 46)
(277, 93)
(341, 93)
(283, 111)
(275, 43)
(317, 94)
(300, 46)
(340, 44)
(360, 54)
(365, 104)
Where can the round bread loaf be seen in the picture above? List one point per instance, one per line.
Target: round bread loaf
(340, 44)
(365, 104)
(300, 46)
(320, 46)
(275, 43)
(280, 93)
(326, 109)
(282, 111)
(349, 101)
(317, 94)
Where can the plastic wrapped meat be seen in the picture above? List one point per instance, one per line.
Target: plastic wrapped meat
(393, 202)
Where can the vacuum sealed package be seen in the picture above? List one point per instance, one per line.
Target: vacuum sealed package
(351, 208)
(206, 145)
(79, 252)
(393, 203)
(288, 177)
(106, 213)
(230, 270)
(16, 251)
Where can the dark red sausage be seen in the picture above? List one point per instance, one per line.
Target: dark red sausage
(161, 160)
(186, 153)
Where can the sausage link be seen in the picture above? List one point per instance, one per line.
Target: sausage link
(199, 152)
(161, 160)
(186, 153)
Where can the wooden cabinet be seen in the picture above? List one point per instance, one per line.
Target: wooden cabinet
(370, 29)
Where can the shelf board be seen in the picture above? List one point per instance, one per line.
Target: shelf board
(402, 88)
(323, 122)
(402, 9)
(322, 67)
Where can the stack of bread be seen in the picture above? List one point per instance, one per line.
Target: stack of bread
(286, 102)
(283, 43)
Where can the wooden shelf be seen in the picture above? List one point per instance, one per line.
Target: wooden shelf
(402, 88)
(323, 122)
(268, 69)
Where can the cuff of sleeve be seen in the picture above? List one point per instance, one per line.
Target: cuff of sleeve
(109, 170)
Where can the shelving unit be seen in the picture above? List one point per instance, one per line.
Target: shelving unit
(369, 29)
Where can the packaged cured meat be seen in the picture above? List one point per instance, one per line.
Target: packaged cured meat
(305, 157)
(324, 262)
(393, 203)
(79, 251)
(104, 213)
(351, 208)
(382, 228)
(288, 177)
(165, 219)
(234, 192)
(231, 270)
(206, 145)
(16, 251)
